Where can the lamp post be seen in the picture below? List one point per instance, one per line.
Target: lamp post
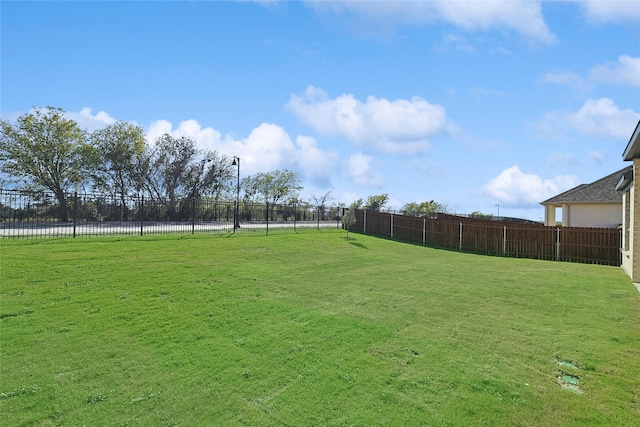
(498, 206)
(236, 213)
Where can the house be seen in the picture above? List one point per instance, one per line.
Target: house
(588, 205)
(630, 190)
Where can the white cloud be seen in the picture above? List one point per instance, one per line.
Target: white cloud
(597, 118)
(567, 78)
(517, 189)
(456, 41)
(315, 165)
(626, 71)
(88, 121)
(266, 148)
(522, 16)
(157, 129)
(400, 126)
(601, 11)
(360, 171)
(207, 138)
(602, 117)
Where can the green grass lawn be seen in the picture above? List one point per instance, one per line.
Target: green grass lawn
(306, 329)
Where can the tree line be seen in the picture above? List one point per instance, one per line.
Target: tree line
(45, 150)
(420, 209)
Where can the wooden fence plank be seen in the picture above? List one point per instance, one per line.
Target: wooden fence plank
(519, 240)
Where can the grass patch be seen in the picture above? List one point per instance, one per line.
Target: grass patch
(308, 328)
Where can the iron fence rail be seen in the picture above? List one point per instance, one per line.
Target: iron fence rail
(25, 214)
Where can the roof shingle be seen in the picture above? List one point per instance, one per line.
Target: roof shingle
(600, 191)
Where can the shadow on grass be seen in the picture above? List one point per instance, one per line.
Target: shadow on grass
(352, 241)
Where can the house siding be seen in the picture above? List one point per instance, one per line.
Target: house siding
(631, 242)
(634, 243)
(631, 221)
(599, 215)
(627, 235)
(593, 215)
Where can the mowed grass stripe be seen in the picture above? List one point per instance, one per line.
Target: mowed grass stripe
(309, 328)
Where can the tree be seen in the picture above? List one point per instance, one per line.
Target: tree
(249, 188)
(480, 215)
(175, 170)
(359, 204)
(376, 203)
(349, 217)
(48, 151)
(213, 175)
(120, 146)
(423, 209)
(273, 187)
(320, 203)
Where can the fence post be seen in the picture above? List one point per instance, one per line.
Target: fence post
(267, 233)
(460, 244)
(364, 227)
(424, 231)
(75, 212)
(141, 213)
(558, 244)
(619, 246)
(391, 225)
(504, 241)
(193, 216)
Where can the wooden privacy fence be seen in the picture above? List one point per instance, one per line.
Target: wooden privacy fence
(511, 239)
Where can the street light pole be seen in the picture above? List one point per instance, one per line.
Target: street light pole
(236, 213)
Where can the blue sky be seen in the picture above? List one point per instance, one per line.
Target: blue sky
(472, 104)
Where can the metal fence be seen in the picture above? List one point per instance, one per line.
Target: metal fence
(25, 214)
(511, 239)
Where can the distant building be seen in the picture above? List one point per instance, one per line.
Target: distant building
(588, 205)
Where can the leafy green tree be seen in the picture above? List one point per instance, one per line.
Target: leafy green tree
(480, 215)
(424, 209)
(249, 188)
(213, 176)
(273, 187)
(349, 218)
(307, 209)
(376, 203)
(48, 151)
(175, 170)
(120, 146)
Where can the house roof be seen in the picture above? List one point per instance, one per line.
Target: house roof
(600, 191)
(633, 147)
(625, 181)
